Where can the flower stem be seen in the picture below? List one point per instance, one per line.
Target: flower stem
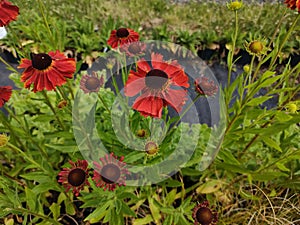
(184, 112)
(288, 34)
(53, 110)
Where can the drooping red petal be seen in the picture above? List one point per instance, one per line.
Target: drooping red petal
(134, 84)
(149, 106)
(8, 12)
(5, 94)
(179, 78)
(175, 98)
(143, 68)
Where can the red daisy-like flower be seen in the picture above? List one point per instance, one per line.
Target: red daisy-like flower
(91, 83)
(8, 12)
(5, 94)
(203, 215)
(47, 71)
(134, 48)
(75, 177)
(122, 36)
(204, 86)
(110, 172)
(293, 4)
(160, 84)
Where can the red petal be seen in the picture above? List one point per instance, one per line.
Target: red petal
(134, 85)
(175, 98)
(149, 106)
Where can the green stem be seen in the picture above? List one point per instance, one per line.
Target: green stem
(104, 104)
(26, 211)
(11, 68)
(42, 10)
(42, 151)
(12, 147)
(184, 112)
(52, 109)
(277, 27)
(233, 48)
(288, 34)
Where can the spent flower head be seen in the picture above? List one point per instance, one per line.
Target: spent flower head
(203, 215)
(110, 172)
(75, 177)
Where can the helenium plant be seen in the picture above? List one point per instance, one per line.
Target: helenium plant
(147, 134)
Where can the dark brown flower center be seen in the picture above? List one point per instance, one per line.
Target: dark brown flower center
(40, 61)
(204, 216)
(122, 33)
(76, 177)
(110, 173)
(156, 79)
(92, 83)
(134, 48)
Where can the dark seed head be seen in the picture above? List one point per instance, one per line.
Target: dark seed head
(156, 79)
(77, 177)
(110, 173)
(40, 61)
(122, 33)
(92, 83)
(204, 216)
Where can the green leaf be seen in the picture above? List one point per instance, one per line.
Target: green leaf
(154, 210)
(170, 198)
(127, 210)
(268, 176)
(30, 199)
(259, 100)
(99, 213)
(146, 220)
(170, 183)
(168, 220)
(63, 148)
(271, 143)
(55, 209)
(70, 209)
(209, 187)
(283, 116)
(282, 167)
(118, 205)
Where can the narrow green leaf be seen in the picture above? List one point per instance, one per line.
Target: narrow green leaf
(146, 220)
(271, 143)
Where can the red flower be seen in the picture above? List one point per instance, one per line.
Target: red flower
(134, 48)
(75, 177)
(5, 93)
(293, 4)
(110, 172)
(160, 84)
(122, 36)
(46, 71)
(203, 215)
(204, 86)
(8, 12)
